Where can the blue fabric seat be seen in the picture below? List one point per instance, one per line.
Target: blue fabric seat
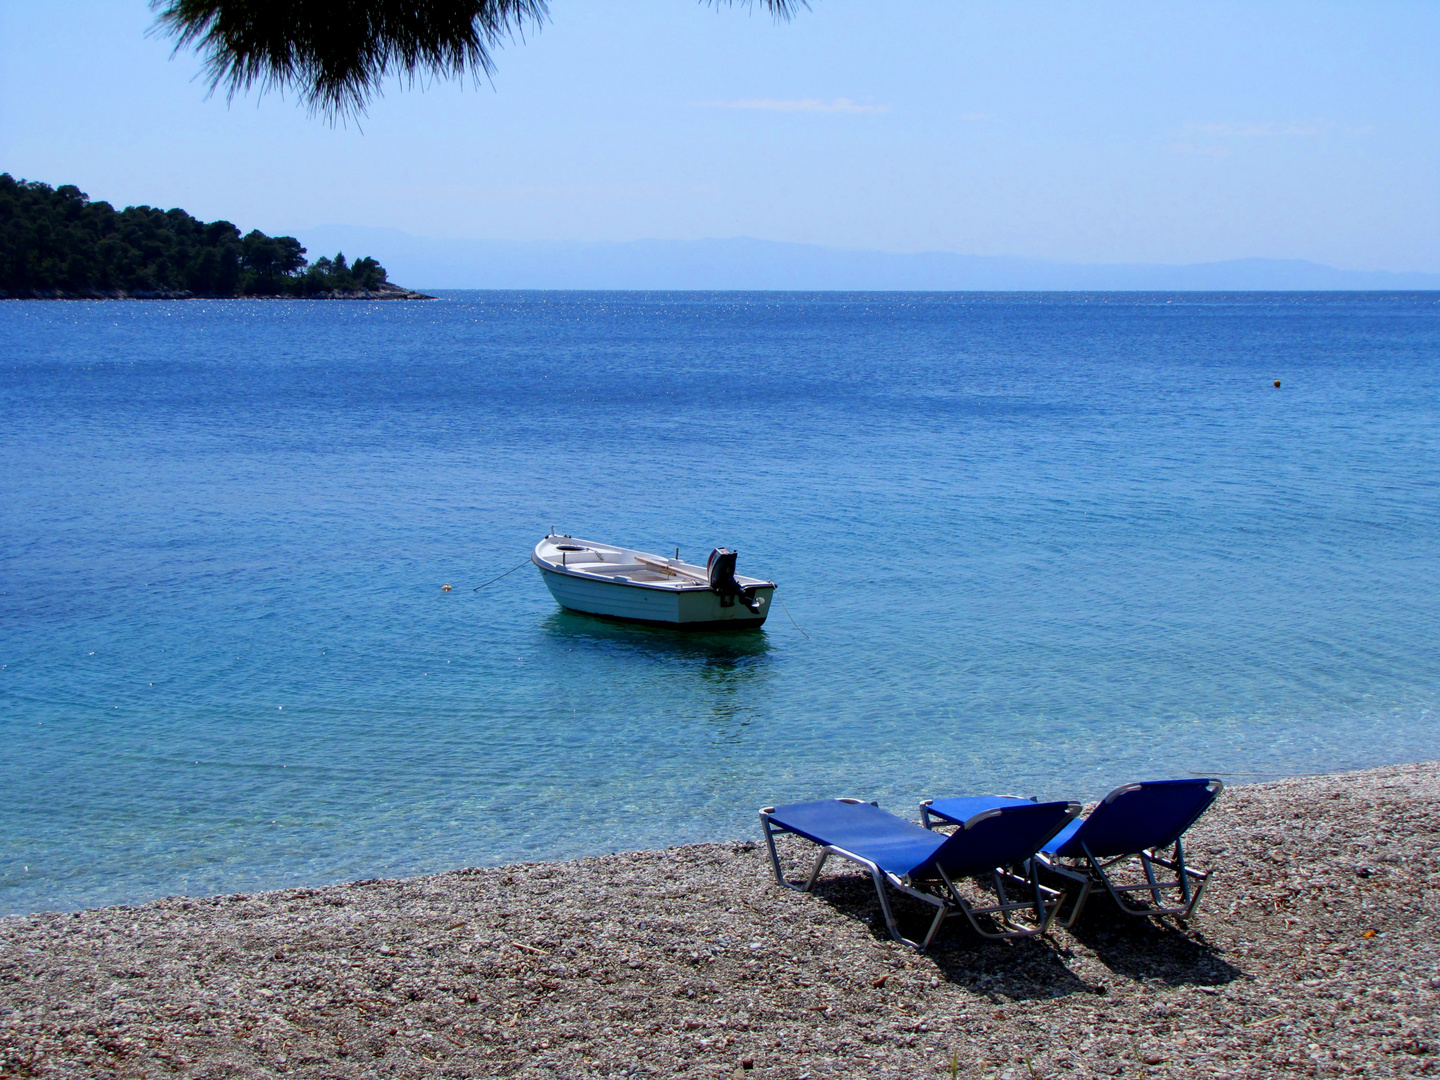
(954, 811)
(996, 841)
(1144, 822)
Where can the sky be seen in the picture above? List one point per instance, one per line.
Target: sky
(1098, 131)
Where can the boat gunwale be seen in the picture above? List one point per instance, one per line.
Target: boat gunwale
(668, 587)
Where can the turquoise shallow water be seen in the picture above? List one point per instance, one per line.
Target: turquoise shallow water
(1042, 544)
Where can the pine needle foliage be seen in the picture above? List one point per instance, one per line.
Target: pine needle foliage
(337, 54)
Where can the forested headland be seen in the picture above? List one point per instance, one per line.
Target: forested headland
(57, 243)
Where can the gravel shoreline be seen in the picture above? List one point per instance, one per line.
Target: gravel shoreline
(1315, 953)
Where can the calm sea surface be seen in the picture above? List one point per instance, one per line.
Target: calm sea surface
(1039, 544)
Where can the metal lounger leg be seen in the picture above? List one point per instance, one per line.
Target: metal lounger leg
(770, 830)
(1049, 910)
(1034, 873)
(876, 875)
(1185, 874)
(1194, 900)
(879, 877)
(1004, 900)
(942, 910)
(820, 858)
(1043, 913)
(1150, 877)
(1084, 881)
(940, 914)
(1183, 877)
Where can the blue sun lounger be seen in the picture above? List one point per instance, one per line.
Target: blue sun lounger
(997, 841)
(1137, 821)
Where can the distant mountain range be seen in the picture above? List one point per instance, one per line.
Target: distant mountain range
(742, 263)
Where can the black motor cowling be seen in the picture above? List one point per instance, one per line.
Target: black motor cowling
(721, 570)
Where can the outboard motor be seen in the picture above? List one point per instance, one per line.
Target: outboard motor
(721, 570)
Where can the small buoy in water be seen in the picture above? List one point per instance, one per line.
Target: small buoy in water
(446, 588)
(1277, 384)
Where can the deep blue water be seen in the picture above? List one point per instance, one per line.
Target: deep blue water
(1043, 544)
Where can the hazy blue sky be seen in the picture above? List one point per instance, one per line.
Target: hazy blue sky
(1094, 132)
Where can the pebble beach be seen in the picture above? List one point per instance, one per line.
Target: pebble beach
(1315, 954)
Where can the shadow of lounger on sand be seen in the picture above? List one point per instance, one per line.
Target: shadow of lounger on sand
(1144, 949)
(1035, 968)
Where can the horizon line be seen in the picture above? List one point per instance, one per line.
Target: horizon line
(1043, 259)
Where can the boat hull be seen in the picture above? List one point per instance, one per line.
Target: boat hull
(684, 609)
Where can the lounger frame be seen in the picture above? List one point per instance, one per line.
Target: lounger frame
(1089, 870)
(1189, 882)
(1045, 901)
(1099, 870)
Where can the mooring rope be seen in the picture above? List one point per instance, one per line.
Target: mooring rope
(792, 619)
(495, 579)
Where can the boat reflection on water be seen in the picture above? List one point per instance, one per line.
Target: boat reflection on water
(729, 668)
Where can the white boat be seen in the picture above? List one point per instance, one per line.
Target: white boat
(634, 585)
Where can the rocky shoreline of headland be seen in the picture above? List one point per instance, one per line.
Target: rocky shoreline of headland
(381, 292)
(1316, 953)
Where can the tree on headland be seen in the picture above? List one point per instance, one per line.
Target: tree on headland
(270, 259)
(336, 54)
(55, 241)
(364, 273)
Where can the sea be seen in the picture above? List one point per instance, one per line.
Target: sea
(1042, 544)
